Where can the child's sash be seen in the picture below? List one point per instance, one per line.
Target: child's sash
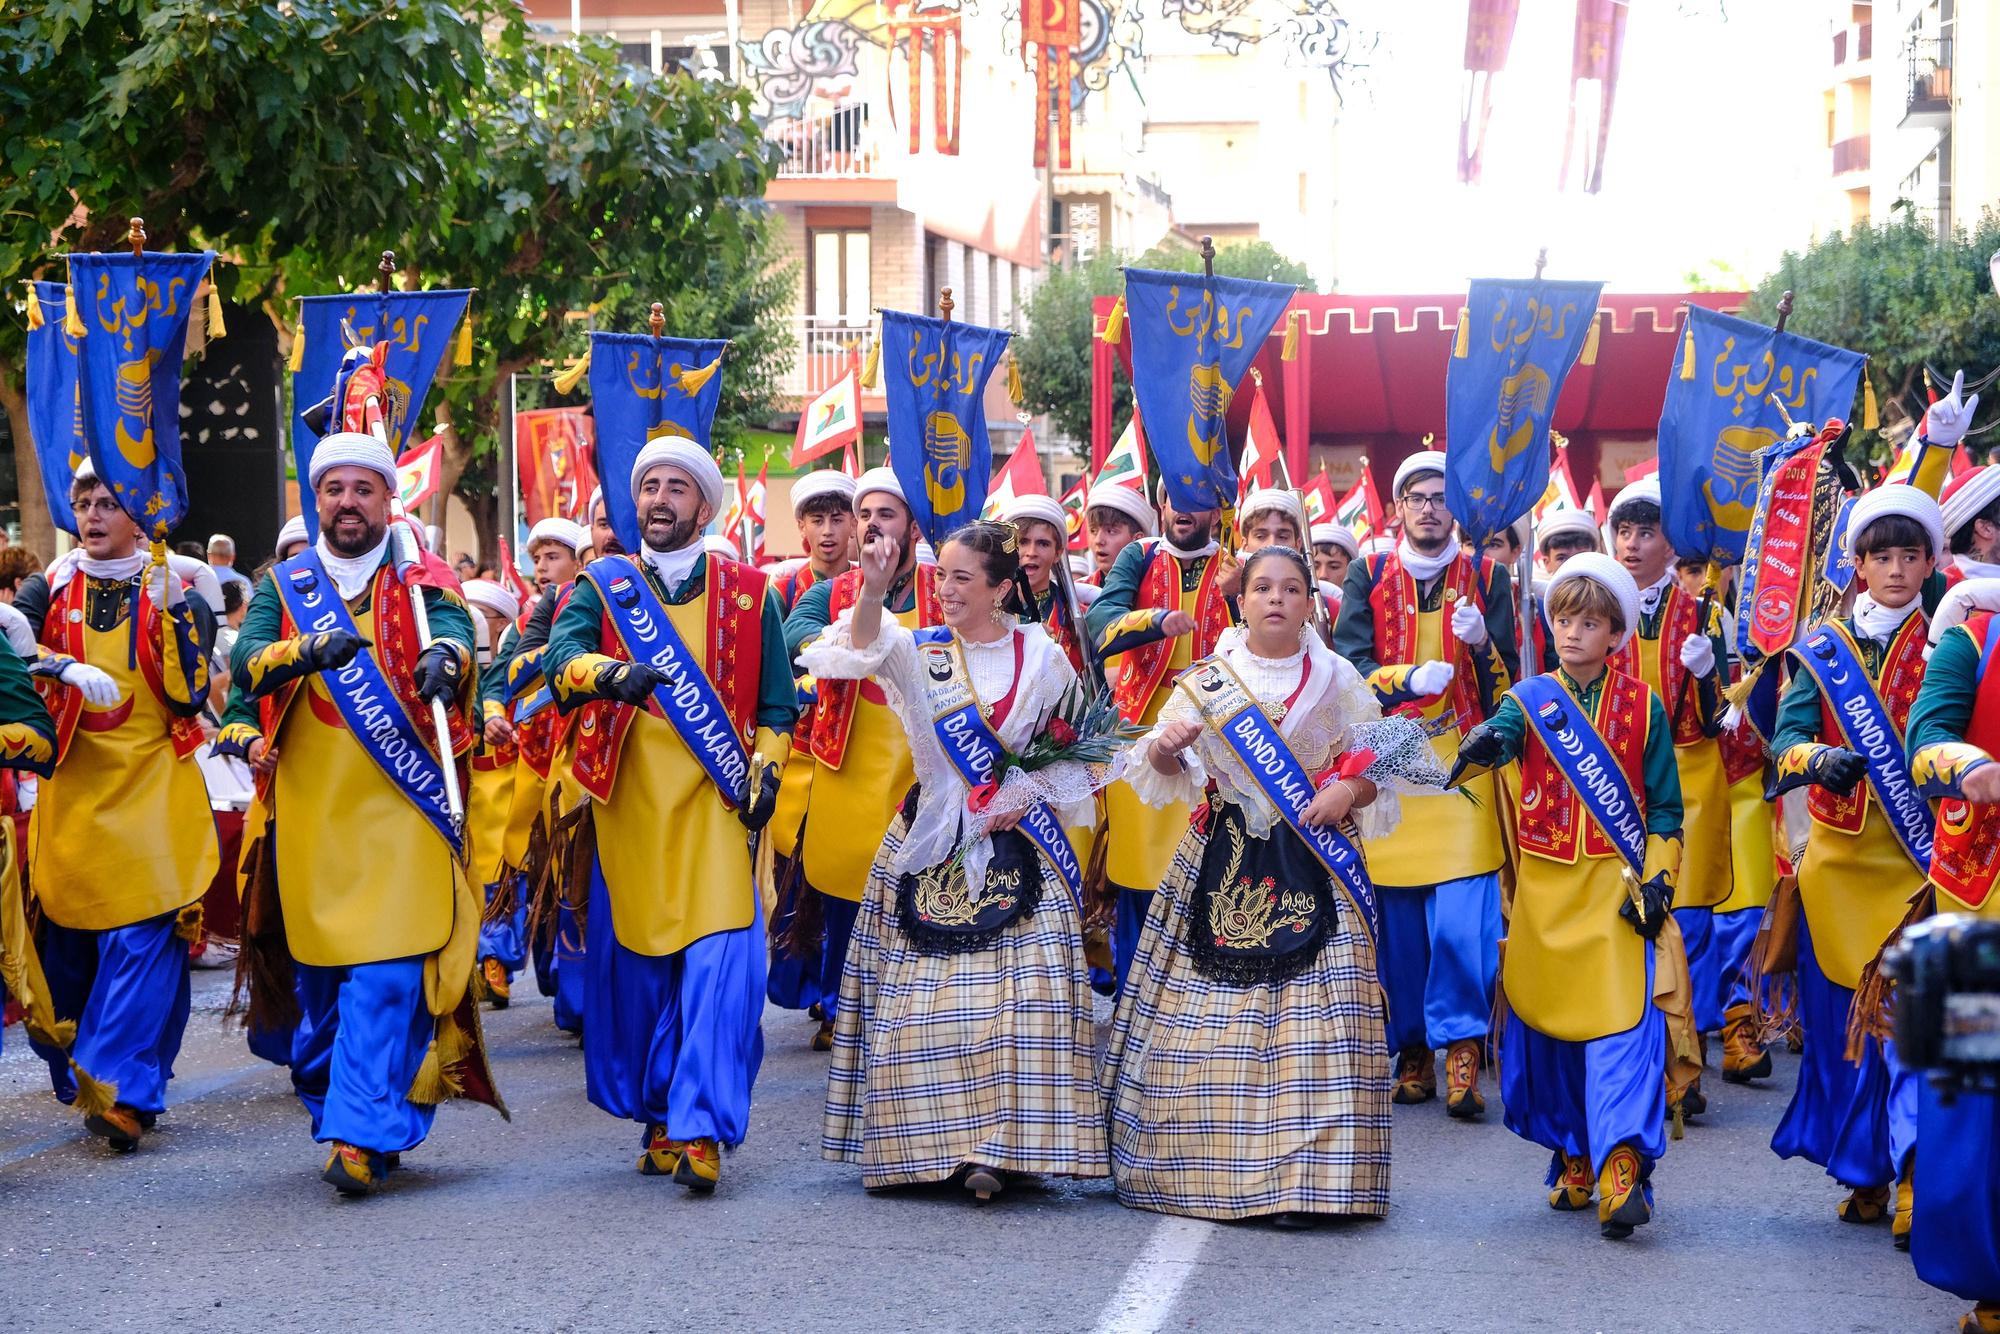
(1865, 723)
(1567, 731)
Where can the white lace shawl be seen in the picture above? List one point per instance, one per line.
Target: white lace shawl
(1328, 719)
(942, 820)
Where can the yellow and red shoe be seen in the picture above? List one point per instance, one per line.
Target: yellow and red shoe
(699, 1166)
(494, 974)
(660, 1154)
(1906, 1204)
(120, 1126)
(1624, 1199)
(1416, 1078)
(1981, 1319)
(353, 1170)
(1573, 1188)
(1864, 1204)
(1461, 1074)
(1743, 1055)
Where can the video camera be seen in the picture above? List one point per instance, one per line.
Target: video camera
(1947, 975)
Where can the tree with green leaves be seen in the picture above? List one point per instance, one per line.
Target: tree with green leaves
(1054, 354)
(1908, 299)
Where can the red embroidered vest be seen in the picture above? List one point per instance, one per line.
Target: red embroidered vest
(833, 714)
(1552, 820)
(1393, 602)
(1902, 673)
(1144, 668)
(1680, 618)
(1965, 850)
(65, 635)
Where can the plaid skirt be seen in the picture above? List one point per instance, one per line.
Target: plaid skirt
(986, 1056)
(1237, 1101)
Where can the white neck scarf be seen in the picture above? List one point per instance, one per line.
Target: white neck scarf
(1880, 623)
(351, 573)
(1208, 548)
(673, 567)
(1978, 569)
(1424, 568)
(1649, 598)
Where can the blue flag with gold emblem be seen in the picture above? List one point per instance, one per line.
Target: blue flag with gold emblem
(1719, 415)
(135, 312)
(55, 407)
(641, 388)
(418, 328)
(934, 375)
(1192, 340)
(1517, 340)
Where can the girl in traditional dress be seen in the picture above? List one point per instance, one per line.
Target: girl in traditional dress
(1247, 1072)
(963, 1042)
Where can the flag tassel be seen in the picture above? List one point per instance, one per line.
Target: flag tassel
(1589, 355)
(72, 322)
(1687, 352)
(35, 317)
(1871, 415)
(1114, 323)
(216, 328)
(299, 349)
(1290, 350)
(872, 368)
(566, 382)
(463, 355)
(690, 381)
(1461, 346)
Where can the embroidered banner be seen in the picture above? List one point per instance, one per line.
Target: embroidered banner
(55, 406)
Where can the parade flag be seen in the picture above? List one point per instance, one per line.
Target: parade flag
(1595, 53)
(1489, 32)
(642, 388)
(419, 472)
(55, 402)
(829, 422)
(1126, 463)
(1359, 512)
(850, 461)
(1193, 337)
(1076, 506)
(554, 454)
(417, 328)
(134, 311)
(1517, 340)
(1719, 414)
(737, 514)
(1021, 477)
(1561, 493)
(1598, 509)
(510, 575)
(753, 513)
(1261, 451)
(935, 374)
(1319, 499)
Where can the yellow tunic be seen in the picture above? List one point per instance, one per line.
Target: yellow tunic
(1855, 888)
(1573, 968)
(362, 874)
(853, 806)
(123, 831)
(1752, 846)
(1444, 837)
(1141, 839)
(675, 859)
(1706, 869)
(492, 800)
(794, 796)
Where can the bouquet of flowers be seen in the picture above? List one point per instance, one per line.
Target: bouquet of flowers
(1084, 729)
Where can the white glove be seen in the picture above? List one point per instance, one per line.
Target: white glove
(1468, 625)
(202, 575)
(1946, 422)
(14, 627)
(26, 788)
(96, 684)
(1431, 678)
(1698, 655)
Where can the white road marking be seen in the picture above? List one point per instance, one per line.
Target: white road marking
(1146, 1295)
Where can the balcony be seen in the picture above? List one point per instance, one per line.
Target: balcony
(826, 347)
(1929, 100)
(1853, 44)
(838, 144)
(1850, 155)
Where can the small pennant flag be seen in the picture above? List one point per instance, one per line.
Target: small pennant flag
(1319, 499)
(1126, 463)
(510, 575)
(739, 506)
(1561, 493)
(831, 421)
(1021, 477)
(1261, 451)
(1359, 511)
(1075, 503)
(419, 471)
(753, 515)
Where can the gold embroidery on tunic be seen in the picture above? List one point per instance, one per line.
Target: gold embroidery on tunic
(943, 898)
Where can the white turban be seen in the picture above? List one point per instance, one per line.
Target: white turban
(1646, 488)
(293, 531)
(1127, 501)
(1965, 499)
(677, 451)
(596, 499)
(1037, 507)
(822, 482)
(1424, 460)
(879, 479)
(1608, 572)
(350, 449)
(1908, 501)
(717, 544)
(1567, 521)
(1271, 500)
(492, 597)
(567, 532)
(1336, 534)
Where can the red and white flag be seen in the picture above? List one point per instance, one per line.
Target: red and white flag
(1561, 493)
(739, 504)
(1359, 511)
(1075, 502)
(1262, 452)
(831, 421)
(753, 514)
(1320, 502)
(1126, 463)
(419, 471)
(1021, 477)
(510, 575)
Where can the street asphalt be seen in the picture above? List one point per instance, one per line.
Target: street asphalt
(220, 1223)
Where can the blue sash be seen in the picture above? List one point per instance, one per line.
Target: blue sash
(1865, 724)
(1566, 728)
(686, 698)
(1232, 713)
(969, 743)
(367, 703)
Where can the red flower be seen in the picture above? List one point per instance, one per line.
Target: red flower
(978, 799)
(1061, 732)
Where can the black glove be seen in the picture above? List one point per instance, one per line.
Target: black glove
(627, 682)
(1836, 768)
(756, 812)
(329, 650)
(1483, 748)
(1658, 896)
(438, 672)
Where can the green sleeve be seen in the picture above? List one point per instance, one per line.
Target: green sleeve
(493, 678)
(1121, 589)
(20, 705)
(1354, 635)
(574, 632)
(813, 614)
(262, 620)
(1511, 725)
(777, 696)
(1799, 715)
(449, 620)
(1943, 710)
(1502, 622)
(1664, 811)
(1935, 587)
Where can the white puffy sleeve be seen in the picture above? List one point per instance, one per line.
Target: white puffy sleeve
(892, 657)
(1157, 789)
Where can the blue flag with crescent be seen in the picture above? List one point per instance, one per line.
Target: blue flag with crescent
(135, 312)
(1192, 340)
(934, 375)
(1719, 414)
(642, 388)
(1518, 340)
(55, 406)
(418, 329)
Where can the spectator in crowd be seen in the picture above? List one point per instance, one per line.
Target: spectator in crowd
(16, 564)
(222, 559)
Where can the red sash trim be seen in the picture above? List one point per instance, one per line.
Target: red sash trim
(1551, 814)
(833, 715)
(1145, 668)
(66, 637)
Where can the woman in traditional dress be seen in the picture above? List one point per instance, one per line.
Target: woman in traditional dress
(963, 1043)
(1247, 1073)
